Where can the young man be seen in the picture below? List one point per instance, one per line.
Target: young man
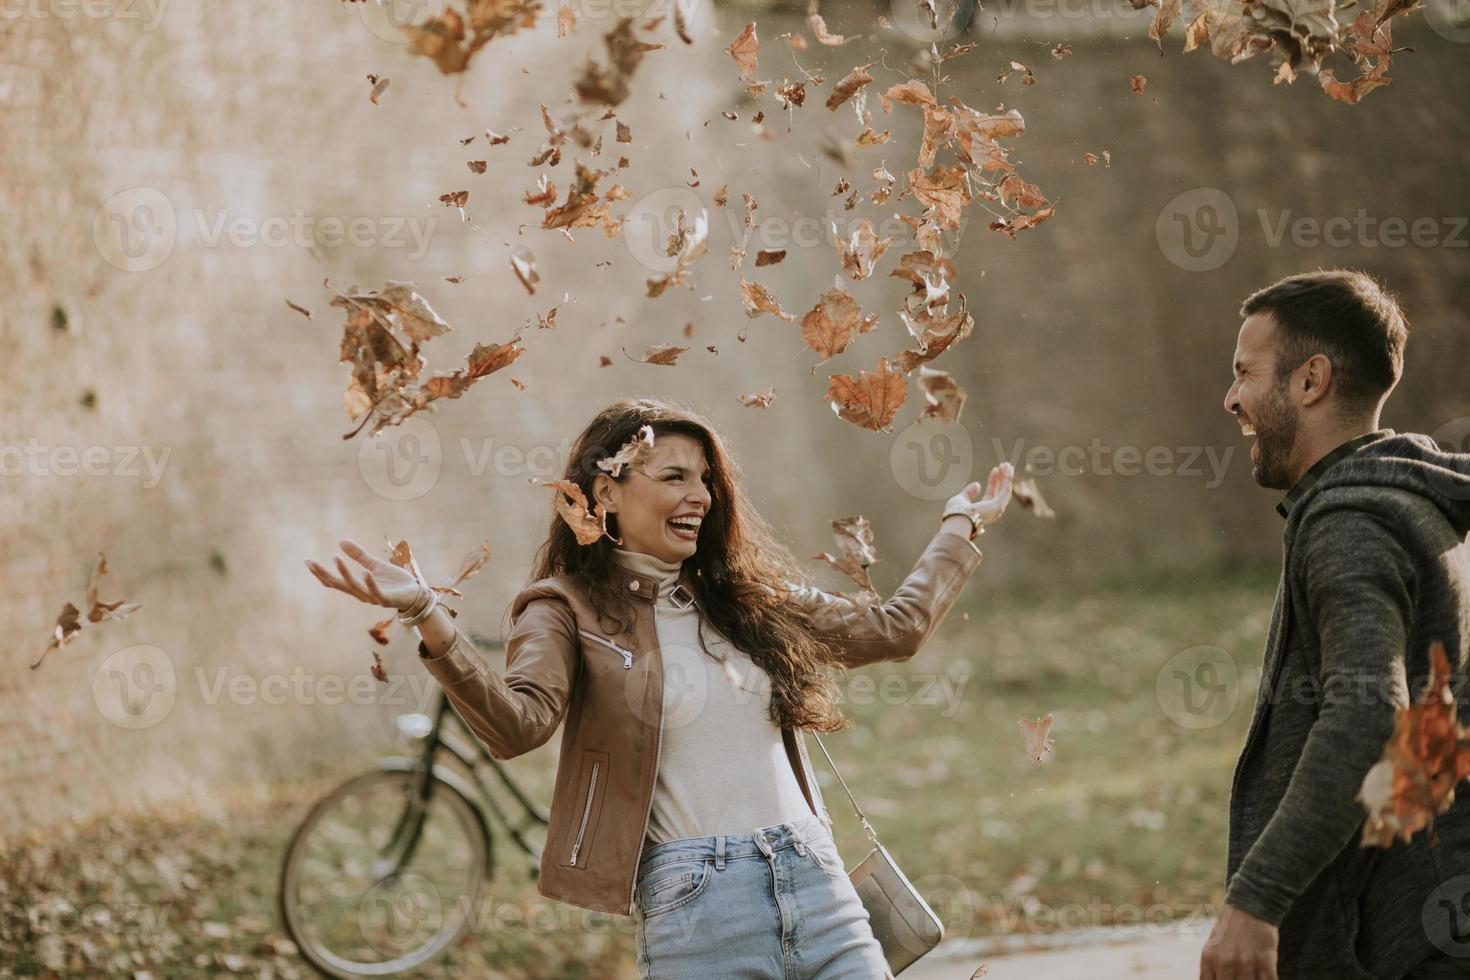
(1376, 567)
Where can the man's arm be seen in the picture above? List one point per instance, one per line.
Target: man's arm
(1359, 580)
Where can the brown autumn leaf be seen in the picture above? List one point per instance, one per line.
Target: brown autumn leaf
(571, 504)
(1137, 82)
(472, 563)
(611, 84)
(823, 36)
(943, 397)
(632, 454)
(835, 322)
(744, 49)
(759, 300)
(1027, 494)
(378, 672)
(944, 191)
(379, 86)
(855, 551)
(758, 399)
(582, 207)
(1425, 758)
(1010, 226)
(769, 256)
(69, 622)
(523, 264)
(870, 400)
(1027, 78)
(849, 85)
(681, 25)
(299, 309)
(936, 331)
(694, 245)
(1061, 51)
(664, 354)
(566, 19)
(379, 630)
(450, 40)
(1036, 734)
(911, 92)
(861, 250)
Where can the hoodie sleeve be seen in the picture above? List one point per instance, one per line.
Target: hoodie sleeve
(514, 714)
(897, 628)
(1359, 583)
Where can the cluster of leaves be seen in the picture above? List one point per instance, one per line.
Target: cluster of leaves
(69, 621)
(1427, 755)
(1298, 33)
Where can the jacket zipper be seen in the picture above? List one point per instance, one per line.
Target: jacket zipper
(586, 812)
(643, 836)
(627, 654)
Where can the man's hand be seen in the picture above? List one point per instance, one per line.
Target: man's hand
(1240, 947)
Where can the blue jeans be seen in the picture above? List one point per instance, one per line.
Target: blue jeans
(774, 904)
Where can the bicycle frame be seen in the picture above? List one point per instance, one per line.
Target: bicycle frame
(471, 755)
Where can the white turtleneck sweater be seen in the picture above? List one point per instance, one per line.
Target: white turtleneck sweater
(722, 766)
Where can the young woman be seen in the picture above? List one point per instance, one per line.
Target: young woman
(685, 660)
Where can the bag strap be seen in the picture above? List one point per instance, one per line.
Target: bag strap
(867, 827)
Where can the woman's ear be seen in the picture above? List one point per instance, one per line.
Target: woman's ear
(602, 492)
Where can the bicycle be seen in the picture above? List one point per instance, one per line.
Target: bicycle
(371, 829)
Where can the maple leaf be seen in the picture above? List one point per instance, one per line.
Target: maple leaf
(1427, 755)
(835, 322)
(571, 504)
(943, 397)
(871, 399)
(744, 50)
(633, 453)
(860, 250)
(855, 551)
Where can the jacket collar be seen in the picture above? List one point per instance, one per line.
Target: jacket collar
(636, 585)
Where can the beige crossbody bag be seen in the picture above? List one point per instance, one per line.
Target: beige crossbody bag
(902, 922)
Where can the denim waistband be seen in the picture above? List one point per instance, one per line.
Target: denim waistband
(760, 841)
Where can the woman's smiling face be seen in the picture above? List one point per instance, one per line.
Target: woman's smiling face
(659, 509)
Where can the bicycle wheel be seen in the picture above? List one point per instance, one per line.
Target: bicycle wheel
(349, 900)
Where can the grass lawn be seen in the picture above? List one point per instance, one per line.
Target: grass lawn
(1125, 822)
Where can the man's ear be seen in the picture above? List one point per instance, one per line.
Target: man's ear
(1315, 378)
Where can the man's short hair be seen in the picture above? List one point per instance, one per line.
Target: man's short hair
(1345, 315)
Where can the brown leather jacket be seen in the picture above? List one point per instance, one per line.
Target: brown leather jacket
(609, 688)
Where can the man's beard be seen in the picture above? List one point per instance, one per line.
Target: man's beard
(1276, 424)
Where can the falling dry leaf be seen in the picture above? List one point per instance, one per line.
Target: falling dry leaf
(299, 309)
(1036, 733)
(758, 399)
(632, 454)
(744, 50)
(1427, 755)
(1025, 491)
(523, 264)
(870, 400)
(855, 551)
(379, 84)
(571, 504)
(835, 322)
(1137, 82)
(664, 354)
(69, 621)
(943, 397)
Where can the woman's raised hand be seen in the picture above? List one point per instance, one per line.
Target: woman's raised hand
(379, 583)
(997, 495)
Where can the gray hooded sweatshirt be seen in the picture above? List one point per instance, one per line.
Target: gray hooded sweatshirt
(1375, 568)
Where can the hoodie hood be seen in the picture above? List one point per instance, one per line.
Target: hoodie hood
(1411, 462)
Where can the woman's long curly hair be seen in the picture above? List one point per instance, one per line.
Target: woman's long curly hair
(743, 571)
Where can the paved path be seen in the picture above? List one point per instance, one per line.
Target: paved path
(1097, 955)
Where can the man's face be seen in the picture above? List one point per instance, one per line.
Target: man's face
(1262, 404)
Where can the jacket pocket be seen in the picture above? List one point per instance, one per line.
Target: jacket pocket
(592, 789)
(606, 653)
